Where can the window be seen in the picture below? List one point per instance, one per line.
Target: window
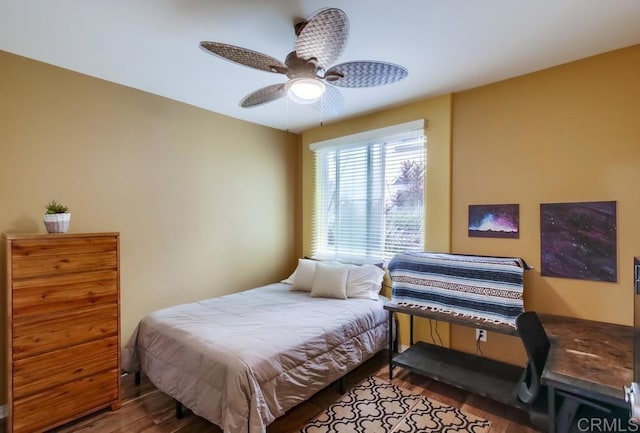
(369, 201)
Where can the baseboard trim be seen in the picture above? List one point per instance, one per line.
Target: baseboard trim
(3, 411)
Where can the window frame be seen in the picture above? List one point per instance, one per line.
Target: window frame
(368, 139)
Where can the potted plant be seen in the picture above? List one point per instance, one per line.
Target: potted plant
(56, 217)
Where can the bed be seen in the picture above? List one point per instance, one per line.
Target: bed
(244, 359)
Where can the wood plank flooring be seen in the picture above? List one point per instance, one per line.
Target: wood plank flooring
(147, 410)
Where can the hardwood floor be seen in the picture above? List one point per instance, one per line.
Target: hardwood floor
(145, 409)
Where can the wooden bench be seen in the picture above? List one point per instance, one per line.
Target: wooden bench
(483, 376)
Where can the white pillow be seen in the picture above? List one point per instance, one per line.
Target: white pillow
(364, 282)
(330, 281)
(290, 279)
(303, 275)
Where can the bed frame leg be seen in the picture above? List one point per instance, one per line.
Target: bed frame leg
(179, 411)
(342, 383)
(137, 377)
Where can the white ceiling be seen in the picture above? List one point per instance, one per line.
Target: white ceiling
(447, 45)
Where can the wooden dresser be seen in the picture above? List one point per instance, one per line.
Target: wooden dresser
(63, 327)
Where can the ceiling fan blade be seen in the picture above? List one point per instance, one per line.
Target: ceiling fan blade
(264, 95)
(323, 36)
(365, 74)
(245, 57)
(331, 103)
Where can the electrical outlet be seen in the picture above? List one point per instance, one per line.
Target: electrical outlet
(481, 335)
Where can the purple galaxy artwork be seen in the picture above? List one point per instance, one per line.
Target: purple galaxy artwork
(579, 240)
(494, 220)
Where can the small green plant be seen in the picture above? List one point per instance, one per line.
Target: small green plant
(54, 207)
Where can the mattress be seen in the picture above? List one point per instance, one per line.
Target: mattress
(244, 359)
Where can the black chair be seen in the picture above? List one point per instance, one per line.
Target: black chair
(535, 395)
(530, 390)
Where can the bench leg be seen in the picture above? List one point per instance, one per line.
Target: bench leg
(392, 343)
(137, 377)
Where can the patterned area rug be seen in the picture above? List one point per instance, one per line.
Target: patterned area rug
(376, 406)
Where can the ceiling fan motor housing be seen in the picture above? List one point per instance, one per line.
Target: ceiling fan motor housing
(301, 68)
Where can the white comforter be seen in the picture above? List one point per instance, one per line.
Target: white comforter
(244, 359)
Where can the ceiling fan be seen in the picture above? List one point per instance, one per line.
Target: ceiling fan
(320, 40)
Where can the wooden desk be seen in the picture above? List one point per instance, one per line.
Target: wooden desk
(594, 358)
(587, 358)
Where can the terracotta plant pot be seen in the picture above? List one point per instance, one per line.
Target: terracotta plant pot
(57, 222)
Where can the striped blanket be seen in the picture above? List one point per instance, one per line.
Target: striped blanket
(486, 288)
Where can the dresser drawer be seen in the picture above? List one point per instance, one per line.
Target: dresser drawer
(51, 369)
(63, 292)
(33, 337)
(50, 265)
(47, 246)
(64, 403)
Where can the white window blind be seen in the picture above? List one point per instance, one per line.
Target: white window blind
(369, 198)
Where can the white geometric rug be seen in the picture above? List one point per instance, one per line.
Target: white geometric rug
(377, 406)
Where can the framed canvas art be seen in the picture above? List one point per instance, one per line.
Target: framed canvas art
(579, 240)
(494, 220)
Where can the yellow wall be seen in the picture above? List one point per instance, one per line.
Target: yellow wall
(437, 112)
(183, 185)
(205, 204)
(569, 133)
(565, 134)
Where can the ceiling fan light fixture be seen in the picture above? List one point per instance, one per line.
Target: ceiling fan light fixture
(305, 90)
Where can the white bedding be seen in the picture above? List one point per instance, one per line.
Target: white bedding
(244, 359)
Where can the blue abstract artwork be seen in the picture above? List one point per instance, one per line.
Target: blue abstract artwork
(494, 220)
(579, 240)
